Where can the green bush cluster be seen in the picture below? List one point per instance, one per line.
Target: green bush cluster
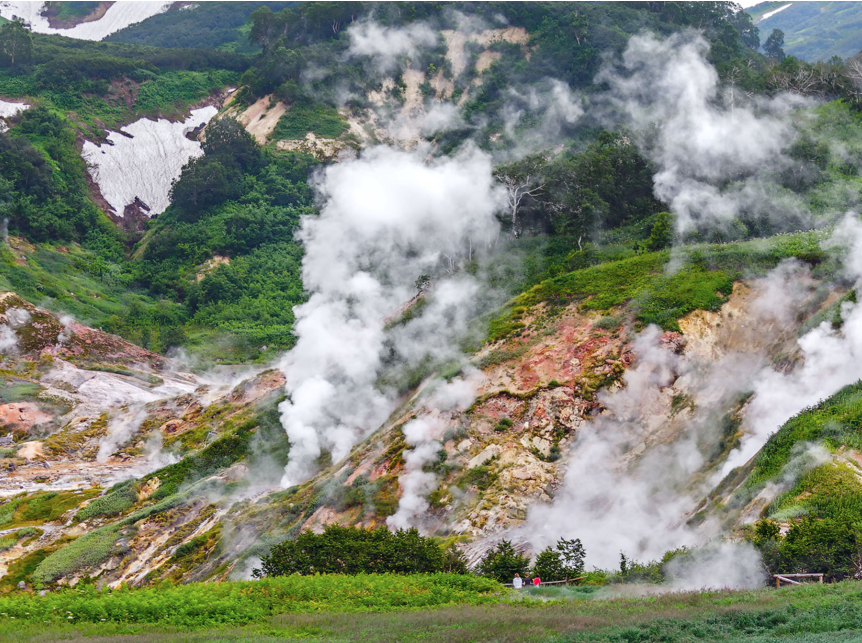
(10, 540)
(302, 118)
(825, 534)
(119, 500)
(39, 507)
(503, 425)
(351, 550)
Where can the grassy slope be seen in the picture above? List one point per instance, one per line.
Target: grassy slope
(810, 613)
(817, 30)
(69, 279)
(705, 275)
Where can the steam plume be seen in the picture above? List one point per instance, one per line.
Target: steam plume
(388, 46)
(832, 359)
(387, 218)
(715, 154)
(423, 434)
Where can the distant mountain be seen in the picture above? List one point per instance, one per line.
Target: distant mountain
(813, 30)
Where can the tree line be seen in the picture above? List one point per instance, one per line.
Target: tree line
(355, 550)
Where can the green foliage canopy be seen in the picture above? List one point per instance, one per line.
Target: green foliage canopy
(351, 550)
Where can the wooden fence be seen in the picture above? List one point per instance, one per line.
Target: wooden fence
(787, 578)
(552, 582)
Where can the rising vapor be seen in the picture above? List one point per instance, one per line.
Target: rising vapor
(387, 218)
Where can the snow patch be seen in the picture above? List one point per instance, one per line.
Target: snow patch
(118, 16)
(8, 110)
(144, 160)
(769, 14)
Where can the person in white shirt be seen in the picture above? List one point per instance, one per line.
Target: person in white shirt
(517, 583)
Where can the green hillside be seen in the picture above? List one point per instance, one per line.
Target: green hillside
(814, 30)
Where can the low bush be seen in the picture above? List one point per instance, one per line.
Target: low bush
(117, 501)
(237, 603)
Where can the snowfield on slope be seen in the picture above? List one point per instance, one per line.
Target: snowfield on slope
(118, 16)
(8, 110)
(143, 160)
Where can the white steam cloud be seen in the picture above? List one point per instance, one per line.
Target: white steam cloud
(389, 46)
(14, 318)
(635, 472)
(387, 218)
(610, 509)
(832, 359)
(424, 434)
(717, 566)
(700, 137)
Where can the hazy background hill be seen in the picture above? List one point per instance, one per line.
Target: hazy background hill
(813, 30)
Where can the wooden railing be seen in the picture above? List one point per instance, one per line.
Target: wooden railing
(552, 582)
(787, 578)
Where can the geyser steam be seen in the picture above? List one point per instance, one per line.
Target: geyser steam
(716, 154)
(387, 218)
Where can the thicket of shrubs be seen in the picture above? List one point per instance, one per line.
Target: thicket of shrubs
(351, 550)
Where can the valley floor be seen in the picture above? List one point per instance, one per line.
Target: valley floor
(812, 613)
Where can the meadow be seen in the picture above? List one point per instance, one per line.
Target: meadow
(430, 608)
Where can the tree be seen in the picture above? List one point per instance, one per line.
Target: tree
(522, 179)
(332, 14)
(503, 562)
(228, 138)
(549, 565)
(573, 554)
(205, 182)
(267, 27)
(661, 235)
(454, 560)
(774, 45)
(564, 562)
(16, 45)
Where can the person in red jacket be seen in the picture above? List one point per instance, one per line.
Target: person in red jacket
(537, 581)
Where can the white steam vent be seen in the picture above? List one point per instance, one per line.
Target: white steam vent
(118, 15)
(142, 160)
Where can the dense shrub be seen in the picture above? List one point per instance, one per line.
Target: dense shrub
(351, 550)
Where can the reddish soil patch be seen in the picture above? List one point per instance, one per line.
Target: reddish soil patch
(22, 416)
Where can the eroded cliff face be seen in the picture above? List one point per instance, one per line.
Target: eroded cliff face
(92, 410)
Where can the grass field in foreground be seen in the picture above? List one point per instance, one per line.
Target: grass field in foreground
(811, 613)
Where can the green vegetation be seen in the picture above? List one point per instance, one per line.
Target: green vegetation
(302, 118)
(660, 298)
(835, 421)
(563, 562)
(351, 550)
(812, 613)
(503, 562)
(825, 535)
(211, 25)
(237, 603)
(40, 507)
(10, 540)
(240, 202)
(119, 500)
(815, 32)
(81, 554)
